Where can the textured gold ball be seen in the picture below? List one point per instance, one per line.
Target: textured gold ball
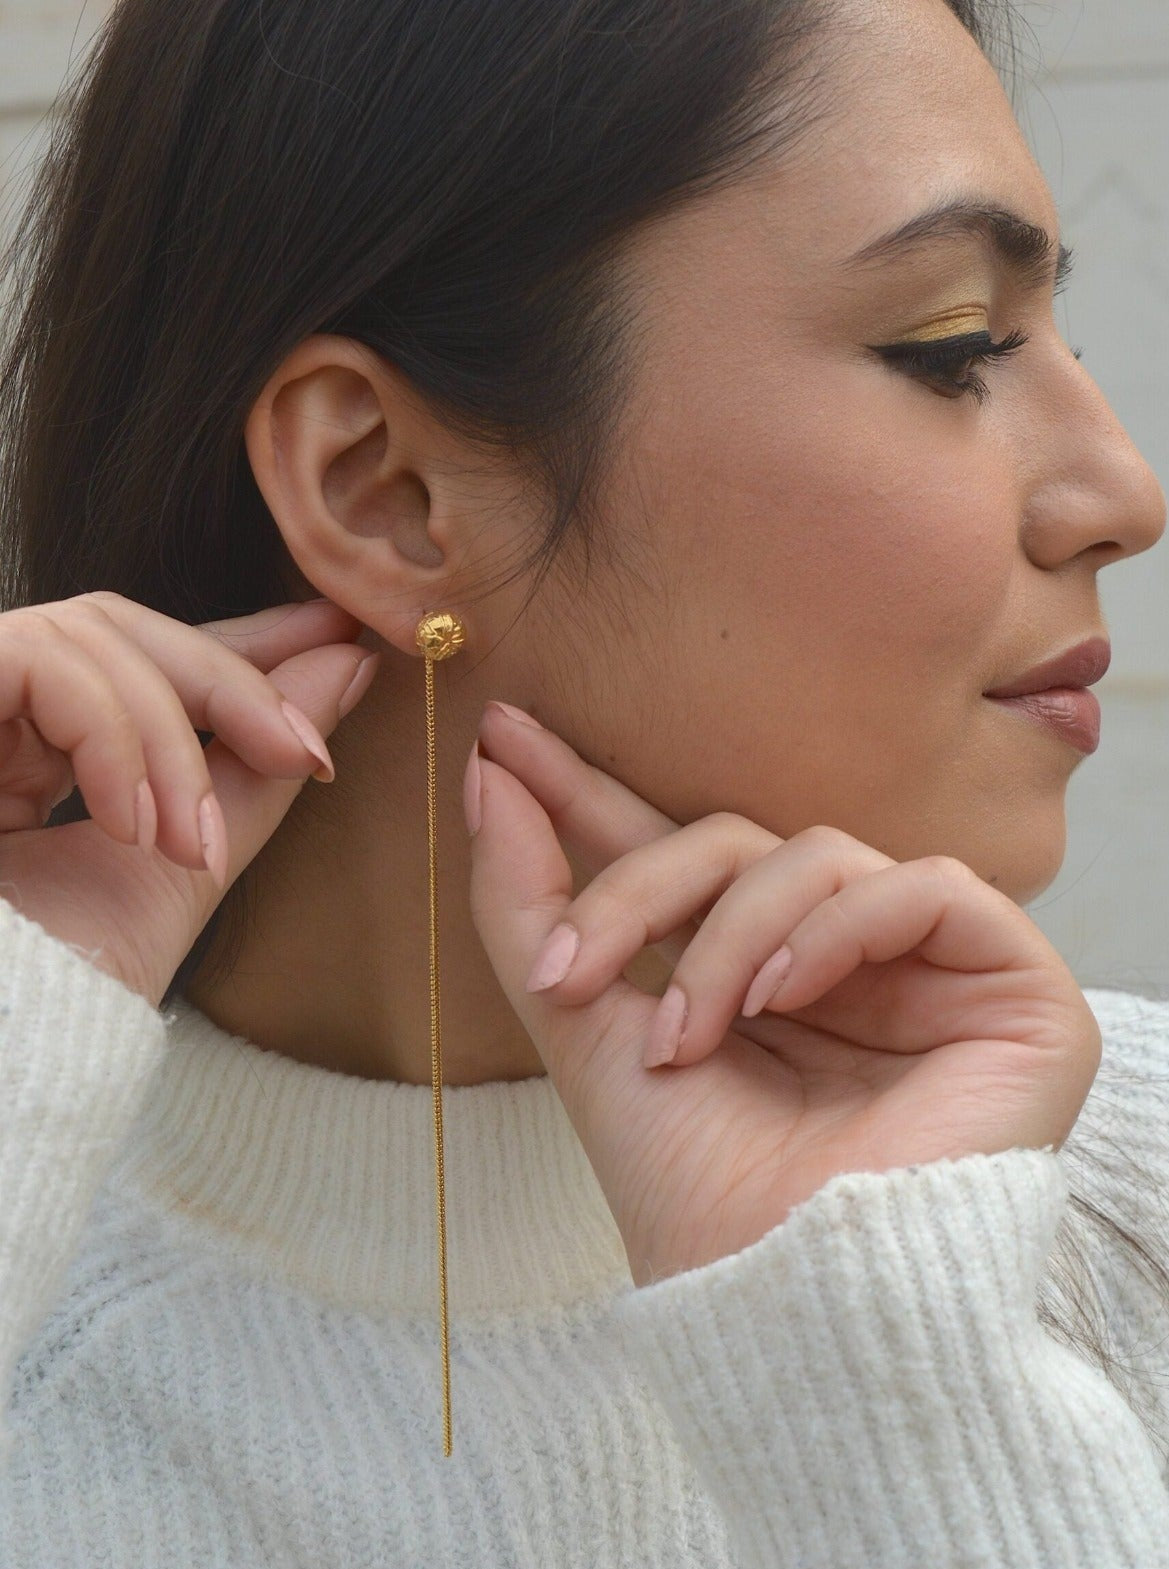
(440, 635)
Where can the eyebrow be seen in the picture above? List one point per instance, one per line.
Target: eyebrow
(1025, 247)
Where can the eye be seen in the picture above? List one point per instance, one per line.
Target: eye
(949, 365)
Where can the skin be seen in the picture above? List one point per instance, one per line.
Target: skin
(818, 564)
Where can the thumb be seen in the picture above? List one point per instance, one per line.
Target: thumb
(521, 885)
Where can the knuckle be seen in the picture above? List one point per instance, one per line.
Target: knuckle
(545, 905)
(947, 869)
(103, 598)
(822, 836)
(603, 906)
(28, 619)
(120, 724)
(740, 840)
(833, 914)
(727, 822)
(583, 791)
(87, 608)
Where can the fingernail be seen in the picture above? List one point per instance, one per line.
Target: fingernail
(311, 739)
(145, 815)
(473, 791)
(515, 713)
(554, 959)
(765, 985)
(213, 838)
(358, 687)
(665, 1031)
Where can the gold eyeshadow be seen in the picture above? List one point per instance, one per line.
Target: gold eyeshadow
(953, 324)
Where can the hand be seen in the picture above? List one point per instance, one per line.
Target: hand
(923, 1016)
(100, 693)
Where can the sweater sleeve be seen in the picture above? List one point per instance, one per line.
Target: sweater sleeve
(76, 1052)
(869, 1386)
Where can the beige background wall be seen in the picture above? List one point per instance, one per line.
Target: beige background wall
(1097, 112)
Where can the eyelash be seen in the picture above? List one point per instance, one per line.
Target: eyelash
(947, 365)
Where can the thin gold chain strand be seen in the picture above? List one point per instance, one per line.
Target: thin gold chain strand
(436, 1044)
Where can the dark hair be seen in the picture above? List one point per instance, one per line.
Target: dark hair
(226, 179)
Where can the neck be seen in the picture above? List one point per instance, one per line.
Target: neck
(334, 966)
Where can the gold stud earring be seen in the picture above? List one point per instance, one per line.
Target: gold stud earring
(438, 636)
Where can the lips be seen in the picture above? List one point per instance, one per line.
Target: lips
(1079, 667)
(1068, 712)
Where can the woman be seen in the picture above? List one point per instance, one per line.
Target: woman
(700, 359)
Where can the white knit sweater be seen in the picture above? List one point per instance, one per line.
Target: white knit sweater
(219, 1334)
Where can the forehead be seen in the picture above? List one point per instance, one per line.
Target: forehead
(910, 114)
(903, 114)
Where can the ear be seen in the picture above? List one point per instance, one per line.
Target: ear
(350, 463)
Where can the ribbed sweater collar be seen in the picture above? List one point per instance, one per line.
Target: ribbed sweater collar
(329, 1180)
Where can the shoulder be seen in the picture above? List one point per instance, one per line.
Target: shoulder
(1107, 1289)
(1124, 1122)
(1133, 1025)
(117, 1289)
(1130, 1095)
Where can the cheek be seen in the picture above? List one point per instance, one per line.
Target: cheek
(868, 540)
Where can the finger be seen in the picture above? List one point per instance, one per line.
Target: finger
(657, 894)
(935, 907)
(33, 776)
(520, 884)
(271, 637)
(714, 979)
(265, 638)
(600, 820)
(195, 683)
(859, 909)
(218, 671)
(253, 804)
(48, 679)
(595, 815)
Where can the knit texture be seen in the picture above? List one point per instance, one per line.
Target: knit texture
(219, 1328)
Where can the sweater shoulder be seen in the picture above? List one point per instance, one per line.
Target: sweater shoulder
(124, 1269)
(1106, 1288)
(1132, 1024)
(1130, 1096)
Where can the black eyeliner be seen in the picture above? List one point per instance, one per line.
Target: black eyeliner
(967, 345)
(948, 365)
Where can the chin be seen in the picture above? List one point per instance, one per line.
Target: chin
(1032, 867)
(1019, 852)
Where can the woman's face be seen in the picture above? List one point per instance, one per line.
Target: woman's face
(824, 558)
(812, 560)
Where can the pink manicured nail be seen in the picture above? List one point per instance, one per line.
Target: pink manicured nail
(311, 739)
(765, 985)
(515, 713)
(666, 1028)
(213, 838)
(473, 791)
(358, 687)
(554, 960)
(145, 815)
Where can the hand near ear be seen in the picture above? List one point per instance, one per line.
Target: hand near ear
(104, 694)
(910, 1012)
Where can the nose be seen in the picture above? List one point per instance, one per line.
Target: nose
(1097, 493)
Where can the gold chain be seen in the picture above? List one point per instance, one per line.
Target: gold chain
(438, 636)
(436, 1044)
